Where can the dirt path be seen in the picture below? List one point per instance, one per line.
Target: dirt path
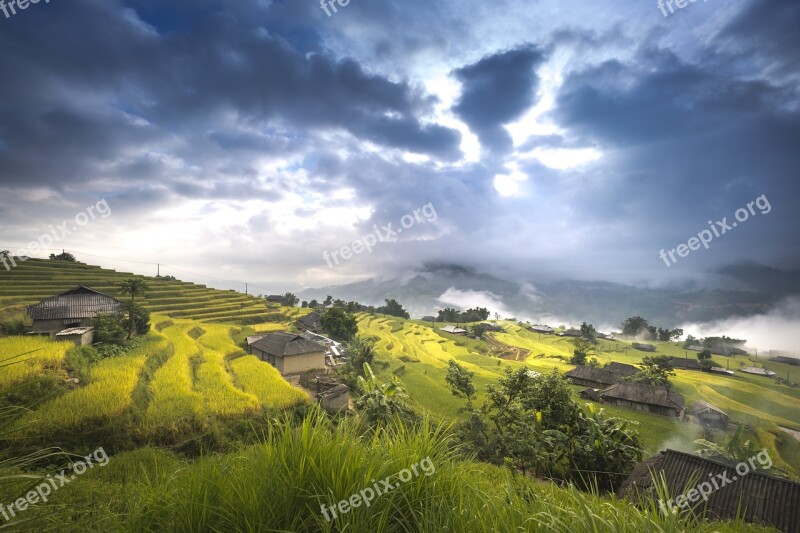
(504, 351)
(792, 432)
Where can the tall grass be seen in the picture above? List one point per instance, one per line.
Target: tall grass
(107, 395)
(25, 358)
(280, 485)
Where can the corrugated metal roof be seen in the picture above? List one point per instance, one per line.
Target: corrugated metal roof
(701, 407)
(283, 344)
(80, 302)
(74, 331)
(763, 498)
(641, 393)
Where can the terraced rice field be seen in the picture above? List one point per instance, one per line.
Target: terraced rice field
(24, 358)
(36, 279)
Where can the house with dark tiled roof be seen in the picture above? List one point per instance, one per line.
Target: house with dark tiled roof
(621, 370)
(289, 353)
(644, 397)
(755, 496)
(685, 363)
(76, 308)
(588, 376)
(644, 347)
(311, 322)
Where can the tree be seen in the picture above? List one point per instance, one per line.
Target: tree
(109, 328)
(655, 370)
(689, 341)
(669, 334)
(137, 319)
(588, 332)
(313, 304)
(734, 450)
(382, 403)
(133, 286)
(581, 349)
(393, 308)
(361, 351)
(304, 304)
(290, 299)
(634, 326)
(63, 256)
(704, 358)
(339, 324)
(328, 300)
(460, 381)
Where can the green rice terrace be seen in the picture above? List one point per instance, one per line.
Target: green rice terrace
(203, 436)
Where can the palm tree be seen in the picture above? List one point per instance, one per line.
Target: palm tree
(134, 287)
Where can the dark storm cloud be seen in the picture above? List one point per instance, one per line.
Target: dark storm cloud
(496, 90)
(93, 83)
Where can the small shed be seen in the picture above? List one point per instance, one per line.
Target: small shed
(644, 347)
(335, 399)
(757, 371)
(572, 332)
(685, 363)
(79, 336)
(590, 394)
(452, 330)
(709, 415)
(547, 330)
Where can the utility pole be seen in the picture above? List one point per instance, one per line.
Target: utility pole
(158, 273)
(246, 288)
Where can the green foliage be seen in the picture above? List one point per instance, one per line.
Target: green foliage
(736, 448)
(109, 328)
(15, 326)
(133, 286)
(470, 315)
(460, 381)
(339, 324)
(634, 326)
(79, 359)
(383, 404)
(581, 349)
(704, 358)
(63, 256)
(393, 308)
(655, 370)
(290, 299)
(531, 423)
(588, 333)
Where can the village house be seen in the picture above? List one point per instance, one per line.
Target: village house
(452, 330)
(276, 299)
(642, 397)
(621, 370)
(606, 336)
(786, 360)
(289, 353)
(572, 332)
(685, 363)
(644, 347)
(708, 415)
(756, 497)
(311, 322)
(757, 371)
(590, 394)
(487, 326)
(547, 330)
(588, 376)
(75, 308)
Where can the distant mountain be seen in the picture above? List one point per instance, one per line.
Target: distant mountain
(753, 289)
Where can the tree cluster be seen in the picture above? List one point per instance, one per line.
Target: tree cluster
(477, 314)
(637, 326)
(532, 424)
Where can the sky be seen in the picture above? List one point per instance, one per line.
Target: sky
(250, 140)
